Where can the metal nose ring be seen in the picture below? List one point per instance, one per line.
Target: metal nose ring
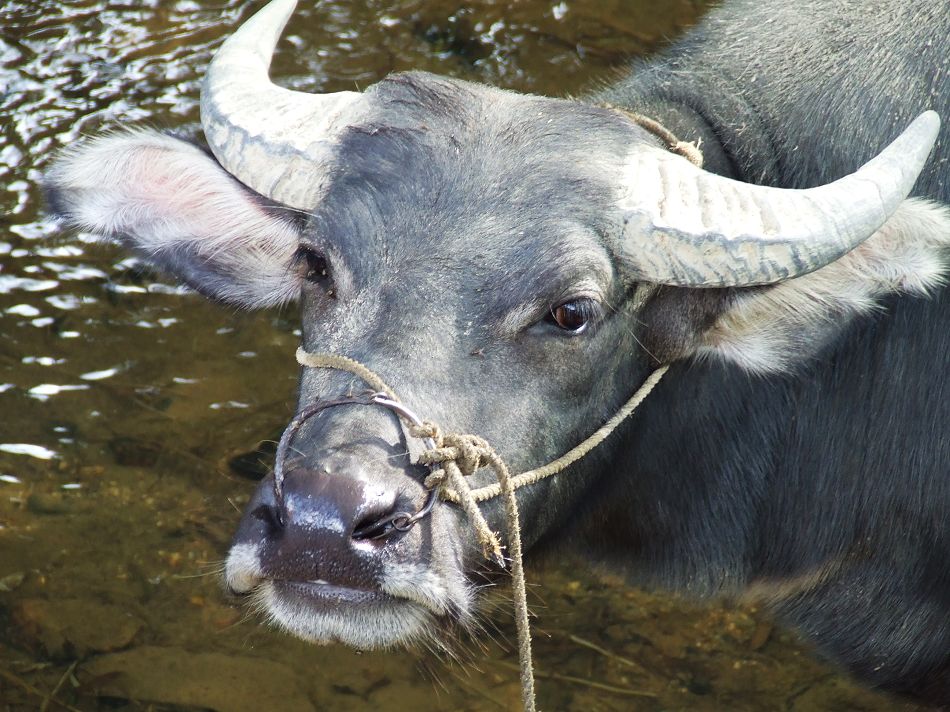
(400, 521)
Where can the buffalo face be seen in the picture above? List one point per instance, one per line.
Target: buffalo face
(500, 340)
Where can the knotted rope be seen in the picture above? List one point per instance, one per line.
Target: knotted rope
(460, 455)
(457, 456)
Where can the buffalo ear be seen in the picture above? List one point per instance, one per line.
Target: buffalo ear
(771, 329)
(173, 205)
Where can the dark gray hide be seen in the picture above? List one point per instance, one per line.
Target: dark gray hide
(456, 216)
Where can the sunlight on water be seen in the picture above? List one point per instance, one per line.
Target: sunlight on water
(36, 451)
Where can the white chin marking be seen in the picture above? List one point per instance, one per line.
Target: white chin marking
(242, 572)
(424, 586)
(365, 626)
(411, 602)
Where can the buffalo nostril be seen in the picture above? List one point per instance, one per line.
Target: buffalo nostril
(268, 514)
(377, 525)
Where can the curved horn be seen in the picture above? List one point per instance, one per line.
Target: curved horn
(272, 139)
(688, 227)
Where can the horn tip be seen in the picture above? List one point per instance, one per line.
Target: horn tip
(277, 12)
(925, 130)
(928, 124)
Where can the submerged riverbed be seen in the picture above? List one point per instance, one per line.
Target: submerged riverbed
(125, 400)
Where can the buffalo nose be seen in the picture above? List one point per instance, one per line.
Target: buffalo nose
(316, 529)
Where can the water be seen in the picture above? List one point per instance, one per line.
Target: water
(123, 399)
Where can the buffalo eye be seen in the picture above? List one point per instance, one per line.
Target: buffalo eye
(314, 268)
(573, 315)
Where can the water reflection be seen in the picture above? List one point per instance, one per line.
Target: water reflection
(123, 398)
(36, 451)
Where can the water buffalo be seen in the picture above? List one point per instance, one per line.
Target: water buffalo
(514, 266)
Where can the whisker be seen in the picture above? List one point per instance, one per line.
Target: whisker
(217, 571)
(631, 332)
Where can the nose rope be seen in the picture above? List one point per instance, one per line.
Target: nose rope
(690, 151)
(456, 456)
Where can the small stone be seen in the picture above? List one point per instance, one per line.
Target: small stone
(225, 617)
(411, 695)
(50, 503)
(74, 628)
(175, 676)
(131, 452)
(763, 631)
(670, 645)
(255, 464)
(11, 582)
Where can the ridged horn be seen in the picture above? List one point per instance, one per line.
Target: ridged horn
(687, 227)
(272, 139)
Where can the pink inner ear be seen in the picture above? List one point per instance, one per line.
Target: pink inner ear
(172, 203)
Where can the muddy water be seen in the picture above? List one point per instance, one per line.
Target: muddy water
(123, 401)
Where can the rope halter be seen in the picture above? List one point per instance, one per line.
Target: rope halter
(452, 458)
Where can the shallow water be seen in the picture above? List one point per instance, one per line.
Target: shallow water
(123, 399)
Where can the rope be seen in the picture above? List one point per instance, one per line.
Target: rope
(529, 477)
(342, 363)
(689, 151)
(460, 455)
